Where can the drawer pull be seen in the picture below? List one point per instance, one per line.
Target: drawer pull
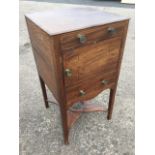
(104, 82)
(112, 30)
(68, 72)
(82, 93)
(82, 38)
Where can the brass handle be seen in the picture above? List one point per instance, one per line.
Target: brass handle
(68, 72)
(104, 82)
(82, 38)
(112, 30)
(82, 93)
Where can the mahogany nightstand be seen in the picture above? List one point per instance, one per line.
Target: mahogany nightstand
(78, 54)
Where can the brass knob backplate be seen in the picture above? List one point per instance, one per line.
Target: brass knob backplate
(68, 72)
(112, 30)
(82, 93)
(104, 82)
(82, 38)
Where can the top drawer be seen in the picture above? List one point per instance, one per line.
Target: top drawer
(80, 38)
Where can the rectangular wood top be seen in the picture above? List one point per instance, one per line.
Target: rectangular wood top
(57, 21)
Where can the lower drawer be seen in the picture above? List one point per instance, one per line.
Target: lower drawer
(90, 88)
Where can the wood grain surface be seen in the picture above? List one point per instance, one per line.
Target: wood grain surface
(57, 21)
(94, 64)
(93, 60)
(70, 41)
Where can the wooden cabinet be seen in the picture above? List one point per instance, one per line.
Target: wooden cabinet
(78, 54)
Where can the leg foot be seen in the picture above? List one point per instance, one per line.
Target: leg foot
(64, 120)
(44, 92)
(111, 103)
(65, 131)
(66, 142)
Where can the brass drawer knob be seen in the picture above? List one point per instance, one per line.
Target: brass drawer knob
(82, 38)
(68, 72)
(82, 93)
(104, 82)
(112, 30)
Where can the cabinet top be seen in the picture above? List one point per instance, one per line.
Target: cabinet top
(62, 20)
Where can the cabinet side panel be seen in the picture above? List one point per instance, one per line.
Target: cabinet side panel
(122, 46)
(41, 45)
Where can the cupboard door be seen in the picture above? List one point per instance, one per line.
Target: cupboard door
(93, 60)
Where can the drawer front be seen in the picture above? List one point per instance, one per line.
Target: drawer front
(90, 87)
(82, 38)
(91, 60)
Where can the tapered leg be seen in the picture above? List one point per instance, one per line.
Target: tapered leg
(64, 119)
(44, 92)
(111, 102)
(66, 131)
